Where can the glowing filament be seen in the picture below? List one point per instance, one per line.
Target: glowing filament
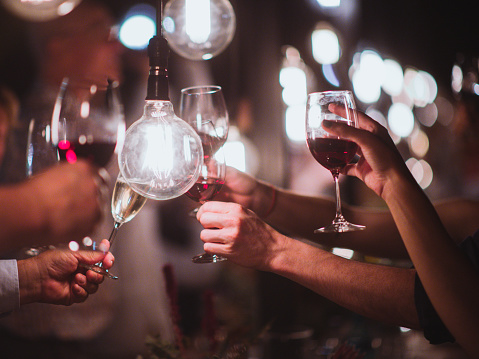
(198, 20)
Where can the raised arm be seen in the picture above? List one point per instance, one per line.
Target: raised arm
(449, 278)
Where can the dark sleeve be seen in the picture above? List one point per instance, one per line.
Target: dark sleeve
(434, 329)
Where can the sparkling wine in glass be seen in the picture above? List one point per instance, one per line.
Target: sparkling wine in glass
(125, 205)
(209, 183)
(332, 152)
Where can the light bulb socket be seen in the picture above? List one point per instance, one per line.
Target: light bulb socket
(158, 53)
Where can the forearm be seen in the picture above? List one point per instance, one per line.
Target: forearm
(22, 222)
(379, 292)
(448, 277)
(299, 216)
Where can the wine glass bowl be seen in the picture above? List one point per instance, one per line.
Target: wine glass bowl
(202, 104)
(88, 120)
(332, 152)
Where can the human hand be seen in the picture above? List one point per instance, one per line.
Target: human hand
(238, 234)
(56, 277)
(68, 200)
(247, 191)
(380, 161)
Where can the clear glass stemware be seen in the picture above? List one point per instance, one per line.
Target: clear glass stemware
(332, 152)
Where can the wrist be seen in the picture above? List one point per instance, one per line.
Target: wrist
(29, 281)
(272, 201)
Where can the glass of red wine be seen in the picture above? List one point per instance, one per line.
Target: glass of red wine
(209, 183)
(204, 108)
(88, 123)
(87, 120)
(330, 151)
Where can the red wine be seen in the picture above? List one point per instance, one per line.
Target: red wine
(332, 153)
(205, 189)
(211, 144)
(97, 152)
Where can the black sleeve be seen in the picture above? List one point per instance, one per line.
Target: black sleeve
(434, 329)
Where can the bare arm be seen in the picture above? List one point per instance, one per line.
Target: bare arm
(298, 216)
(59, 205)
(380, 292)
(447, 275)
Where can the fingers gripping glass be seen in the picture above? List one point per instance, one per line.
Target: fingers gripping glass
(332, 152)
(204, 108)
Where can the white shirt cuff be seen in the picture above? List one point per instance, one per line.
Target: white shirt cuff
(9, 286)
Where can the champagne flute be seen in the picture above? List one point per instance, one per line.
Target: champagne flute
(209, 183)
(202, 104)
(332, 152)
(125, 205)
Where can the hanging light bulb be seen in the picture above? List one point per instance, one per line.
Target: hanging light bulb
(199, 29)
(40, 10)
(161, 155)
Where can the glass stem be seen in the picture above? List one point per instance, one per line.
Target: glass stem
(113, 233)
(339, 214)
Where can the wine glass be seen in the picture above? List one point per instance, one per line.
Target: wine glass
(200, 104)
(332, 152)
(125, 205)
(88, 120)
(209, 183)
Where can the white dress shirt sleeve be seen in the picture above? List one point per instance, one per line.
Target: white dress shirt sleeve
(9, 286)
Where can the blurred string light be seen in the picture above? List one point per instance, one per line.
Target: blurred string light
(240, 152)
(329, 3)
(366, 74)
(400, 119)
(421, 171)
(294, 78)
(138, 27)
(326, 50)
(40, 10)
(199, 29)
(325, 44)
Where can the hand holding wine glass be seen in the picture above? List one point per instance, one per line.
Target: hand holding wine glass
(204, 108)
(209, 183)
(330, 151)
(125, 205)
(88, 123)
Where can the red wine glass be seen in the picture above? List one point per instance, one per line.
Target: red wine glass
(202, 104)
(88, 120)
(332, 152)
(209, 183)
(88, 123)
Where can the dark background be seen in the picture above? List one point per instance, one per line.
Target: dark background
(423, 34)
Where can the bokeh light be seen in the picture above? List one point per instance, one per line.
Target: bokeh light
(400, 119)
(325, 45)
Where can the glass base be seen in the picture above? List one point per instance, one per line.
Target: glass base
(97, 269)
(207, 258)
(340, 227)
